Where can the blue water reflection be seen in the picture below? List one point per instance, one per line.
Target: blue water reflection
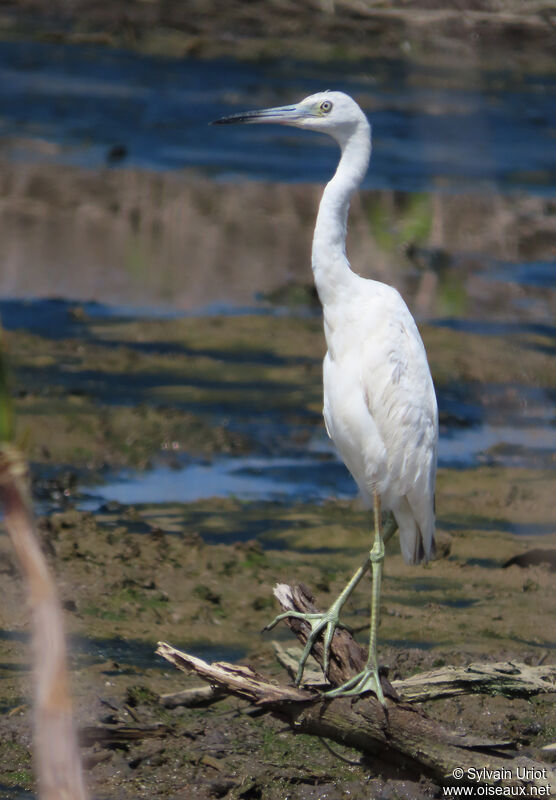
(431, 130)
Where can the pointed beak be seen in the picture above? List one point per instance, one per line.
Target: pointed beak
(285, 115)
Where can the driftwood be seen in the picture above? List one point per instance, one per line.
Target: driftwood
(403, 736)
(58, 762)
(510, 678)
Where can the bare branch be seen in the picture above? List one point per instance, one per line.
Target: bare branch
(508, 678)
(403, 735)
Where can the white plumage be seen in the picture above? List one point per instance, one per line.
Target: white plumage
(379, 401)
(380, 408)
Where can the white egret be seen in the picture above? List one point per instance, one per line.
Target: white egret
(379, 401)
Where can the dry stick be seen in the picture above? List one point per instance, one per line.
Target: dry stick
(58, 761)
(509, 678)
(405, 737)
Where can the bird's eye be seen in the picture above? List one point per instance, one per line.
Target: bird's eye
(326, 106)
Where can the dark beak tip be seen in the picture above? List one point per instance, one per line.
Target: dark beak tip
(264, 115)
(233, 120)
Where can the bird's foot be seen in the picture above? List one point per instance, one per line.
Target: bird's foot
(326, 621)
(368, 680)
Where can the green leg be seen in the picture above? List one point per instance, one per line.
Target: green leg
(319, 621)
(368, 679)
(328, 621)
(389, 528)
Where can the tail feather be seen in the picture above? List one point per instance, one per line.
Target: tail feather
(417, 541)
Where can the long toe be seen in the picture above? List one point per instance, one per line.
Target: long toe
(367, 680)
(319, 623)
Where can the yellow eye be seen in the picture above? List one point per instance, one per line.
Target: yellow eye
(325, 106)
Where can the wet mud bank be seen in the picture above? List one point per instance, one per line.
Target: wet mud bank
(487, 32)
(126, 579)
(96, 393)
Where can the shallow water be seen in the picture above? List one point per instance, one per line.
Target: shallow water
(247, 478)
(436, 133)
(316, 478)
(128, 652)
(432, 129)
(289, 458)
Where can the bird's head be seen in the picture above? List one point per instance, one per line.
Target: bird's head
(334, 113)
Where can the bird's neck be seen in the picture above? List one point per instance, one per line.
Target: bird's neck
(330, 265)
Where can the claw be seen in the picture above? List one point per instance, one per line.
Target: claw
(328, 620)
(368, 680)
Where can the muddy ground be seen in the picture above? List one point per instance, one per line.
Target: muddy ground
(110, 393)
(97, 395)
(516, 34)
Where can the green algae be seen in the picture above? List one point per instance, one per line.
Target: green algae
(88, 401)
